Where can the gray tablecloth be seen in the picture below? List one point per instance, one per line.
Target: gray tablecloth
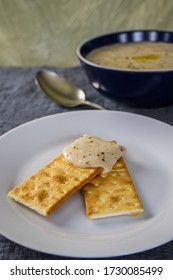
(21, 101)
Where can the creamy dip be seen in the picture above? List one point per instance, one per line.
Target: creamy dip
(91, 151)
(140, 56)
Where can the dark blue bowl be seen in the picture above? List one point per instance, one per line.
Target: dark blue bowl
(143, 88)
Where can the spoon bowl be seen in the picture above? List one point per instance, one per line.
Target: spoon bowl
(61, 90)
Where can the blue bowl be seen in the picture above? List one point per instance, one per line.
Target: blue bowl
(142, 88)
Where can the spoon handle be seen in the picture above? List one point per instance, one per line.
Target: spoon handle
(94, 105)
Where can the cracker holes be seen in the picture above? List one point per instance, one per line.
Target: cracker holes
(62, 192)
(132, 204)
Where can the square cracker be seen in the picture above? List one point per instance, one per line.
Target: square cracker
(48, 188)
(112, 194)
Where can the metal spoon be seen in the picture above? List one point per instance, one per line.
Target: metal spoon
(61, 90)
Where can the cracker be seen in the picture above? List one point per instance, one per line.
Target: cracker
(48, 188)
(112, 194)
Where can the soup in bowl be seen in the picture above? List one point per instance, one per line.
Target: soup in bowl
(135, 67)
(139, 56)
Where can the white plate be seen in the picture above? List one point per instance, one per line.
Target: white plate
(67, 231)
